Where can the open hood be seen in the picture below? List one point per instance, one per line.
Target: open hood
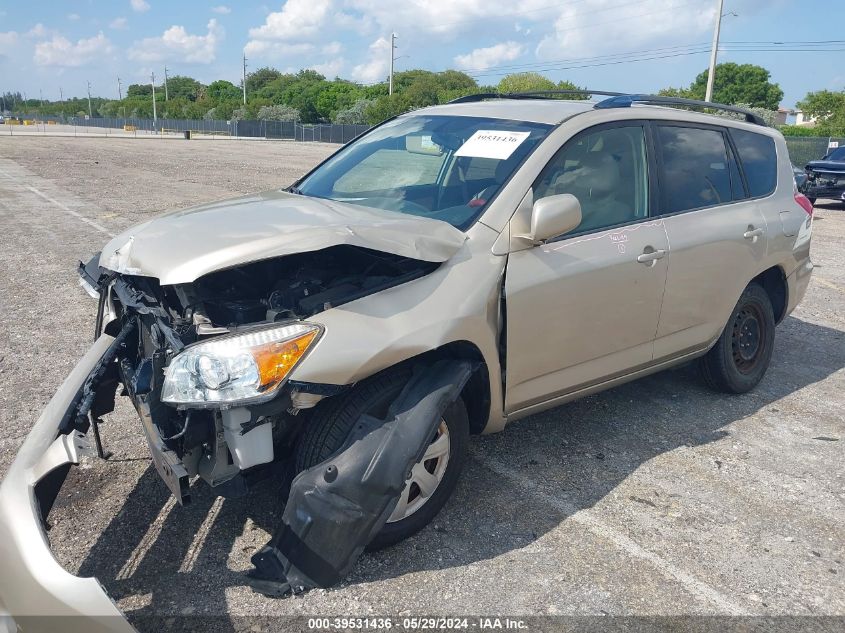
(181, 246)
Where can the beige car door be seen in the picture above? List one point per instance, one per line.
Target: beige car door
(718, 236)
(584, 307)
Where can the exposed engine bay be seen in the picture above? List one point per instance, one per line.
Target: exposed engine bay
(298, 286)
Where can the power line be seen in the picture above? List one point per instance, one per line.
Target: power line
(669, 51)
(648, 58)
(591, 58)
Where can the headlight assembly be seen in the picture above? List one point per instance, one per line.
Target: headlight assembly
(238, 368)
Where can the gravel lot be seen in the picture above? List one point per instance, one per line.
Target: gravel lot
(655, 498)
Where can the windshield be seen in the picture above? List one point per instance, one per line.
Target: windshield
(443, 167)
(837, 154)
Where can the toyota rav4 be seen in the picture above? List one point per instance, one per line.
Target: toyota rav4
(450, 271)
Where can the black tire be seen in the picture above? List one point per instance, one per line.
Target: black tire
(812, 200)
(327, 430)
(741, 356)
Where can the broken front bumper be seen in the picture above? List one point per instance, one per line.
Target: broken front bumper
(38, 593)
(825, 186)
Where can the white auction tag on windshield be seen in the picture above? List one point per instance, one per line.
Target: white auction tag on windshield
(492, 144)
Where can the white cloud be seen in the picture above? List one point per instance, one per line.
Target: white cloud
(605, 27)
(376, 67)
(60, 51)
(332, 48)
(139, 6)
(221, 9)
(483, 58)
(298, 19)
(39, 30)
(176, 44)
(8, 40)
(331, 68)
(446, 17)
(276, 50)
(73, 17)
(118, 24)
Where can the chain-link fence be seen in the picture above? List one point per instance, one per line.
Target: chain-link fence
(119, 126)
(803, 149)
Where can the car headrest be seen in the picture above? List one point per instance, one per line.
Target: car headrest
(599, 173)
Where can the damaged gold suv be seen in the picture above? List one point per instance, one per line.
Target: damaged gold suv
(450, 271)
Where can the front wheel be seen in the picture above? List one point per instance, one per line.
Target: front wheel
(432, 479)
(741, 356)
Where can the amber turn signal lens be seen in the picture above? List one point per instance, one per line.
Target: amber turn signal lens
(275, 360)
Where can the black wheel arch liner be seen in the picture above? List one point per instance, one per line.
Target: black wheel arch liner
(336, 507)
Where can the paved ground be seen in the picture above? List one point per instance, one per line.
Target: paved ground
(655, 498)
(60, 129)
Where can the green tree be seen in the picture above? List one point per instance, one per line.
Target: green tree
(278, 113)
(525, 82)
(735, 83)
(385, 107)
(563, 84)
(221, 90)
(181, 86)
(260, 78)
(354, 114)
(829, 109)
(139, 90)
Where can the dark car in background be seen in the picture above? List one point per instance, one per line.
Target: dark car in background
(825, 177)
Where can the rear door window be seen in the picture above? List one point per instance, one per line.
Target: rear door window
(759, 161)
(695, 168)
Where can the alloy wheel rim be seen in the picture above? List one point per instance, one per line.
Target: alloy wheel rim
(426, 476)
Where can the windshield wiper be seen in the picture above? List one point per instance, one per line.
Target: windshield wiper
(295, 190)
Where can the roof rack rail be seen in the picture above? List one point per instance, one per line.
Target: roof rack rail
(625, 101)
(583, 92)
(481, 96)
(538, 94)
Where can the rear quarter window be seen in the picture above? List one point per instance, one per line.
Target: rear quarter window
(759, 161)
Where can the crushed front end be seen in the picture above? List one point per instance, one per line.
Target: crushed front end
(210, 368)
(825, 179)
(207, 365)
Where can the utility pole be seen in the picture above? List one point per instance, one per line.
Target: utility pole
(62, 102)
(244, 79)
(711, 74)
(41, 97)
(392, 59)
(165, 83)
(153, 84)
(90, 113)
(119, 90)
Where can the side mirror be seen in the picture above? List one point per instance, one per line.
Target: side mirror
(552, 216)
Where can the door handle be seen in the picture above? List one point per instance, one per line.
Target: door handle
(752, 233)
(650, 256)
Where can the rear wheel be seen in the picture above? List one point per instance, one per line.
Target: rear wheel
(741, 356)
(432, 479)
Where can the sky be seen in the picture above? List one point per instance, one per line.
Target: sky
(618, 45)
